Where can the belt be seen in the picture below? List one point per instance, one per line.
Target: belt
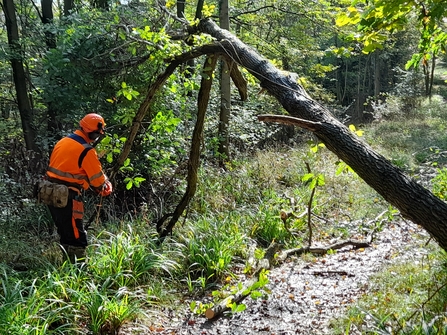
(75, 187)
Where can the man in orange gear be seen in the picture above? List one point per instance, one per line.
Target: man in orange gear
(75, 163)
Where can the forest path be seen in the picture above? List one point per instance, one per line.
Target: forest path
(305, 295)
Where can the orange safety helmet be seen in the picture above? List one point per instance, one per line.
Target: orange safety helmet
(92, 123)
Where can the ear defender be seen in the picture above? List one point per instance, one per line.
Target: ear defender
(94, 135)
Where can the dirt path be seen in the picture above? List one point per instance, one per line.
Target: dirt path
(304, 296)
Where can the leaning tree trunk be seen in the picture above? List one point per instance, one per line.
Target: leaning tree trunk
(414, 201)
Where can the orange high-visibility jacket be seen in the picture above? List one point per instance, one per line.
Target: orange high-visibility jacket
(65, 159)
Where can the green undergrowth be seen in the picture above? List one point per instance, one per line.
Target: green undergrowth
(405, 298)
(413, 139)
(234, 216)
(409, 296)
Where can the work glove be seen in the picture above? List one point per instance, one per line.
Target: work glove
(107, 189)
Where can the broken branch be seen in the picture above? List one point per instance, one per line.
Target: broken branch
(263, 265)
(320, 250)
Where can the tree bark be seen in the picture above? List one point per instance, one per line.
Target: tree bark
(103, 4)
(20, 80)
(199, 9)
(225, 92)
(432, 74)
(377, 75)
(68, 7)
(194, 155)
(53, 126)
(47, 18)
(414, 201)
(181, 8)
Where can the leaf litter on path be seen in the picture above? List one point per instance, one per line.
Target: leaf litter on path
(304, 295)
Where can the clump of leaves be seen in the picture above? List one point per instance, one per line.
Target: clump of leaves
(211, 247)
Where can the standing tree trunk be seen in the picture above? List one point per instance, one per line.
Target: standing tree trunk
(426, 69)
(199, 8)
(377, 75)
(53, 126)
(18, 71)
(432, 75)
(68, 7)
(181, 8)
(194, 154)
(47, 18)
(339, 89)
(414, 201)
(103, 4)
(225, 92)
(358, 114)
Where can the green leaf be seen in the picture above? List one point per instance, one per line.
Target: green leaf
(255, 294)
(109, 157)
(307, 177)
(320, 180)
(350, 18)
(240, 308)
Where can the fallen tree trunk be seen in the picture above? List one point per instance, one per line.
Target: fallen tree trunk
(414, 201)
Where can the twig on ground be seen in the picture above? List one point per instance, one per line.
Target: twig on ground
(320, 250)
(263, 264)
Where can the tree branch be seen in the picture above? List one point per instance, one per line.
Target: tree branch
(194, 155)
(290, 120)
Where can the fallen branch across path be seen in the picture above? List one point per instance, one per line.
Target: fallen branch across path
(320, 250)
(332, 272)
(224, 305)
(266, 263)
(271, 258)
(324, 250)
(263, 265)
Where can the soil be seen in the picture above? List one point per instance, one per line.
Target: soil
(306, 293)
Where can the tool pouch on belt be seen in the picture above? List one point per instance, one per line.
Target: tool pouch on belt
(52, 194)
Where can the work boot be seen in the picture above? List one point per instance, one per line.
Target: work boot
(76, 254)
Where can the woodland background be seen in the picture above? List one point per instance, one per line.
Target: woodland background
(377, 65)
